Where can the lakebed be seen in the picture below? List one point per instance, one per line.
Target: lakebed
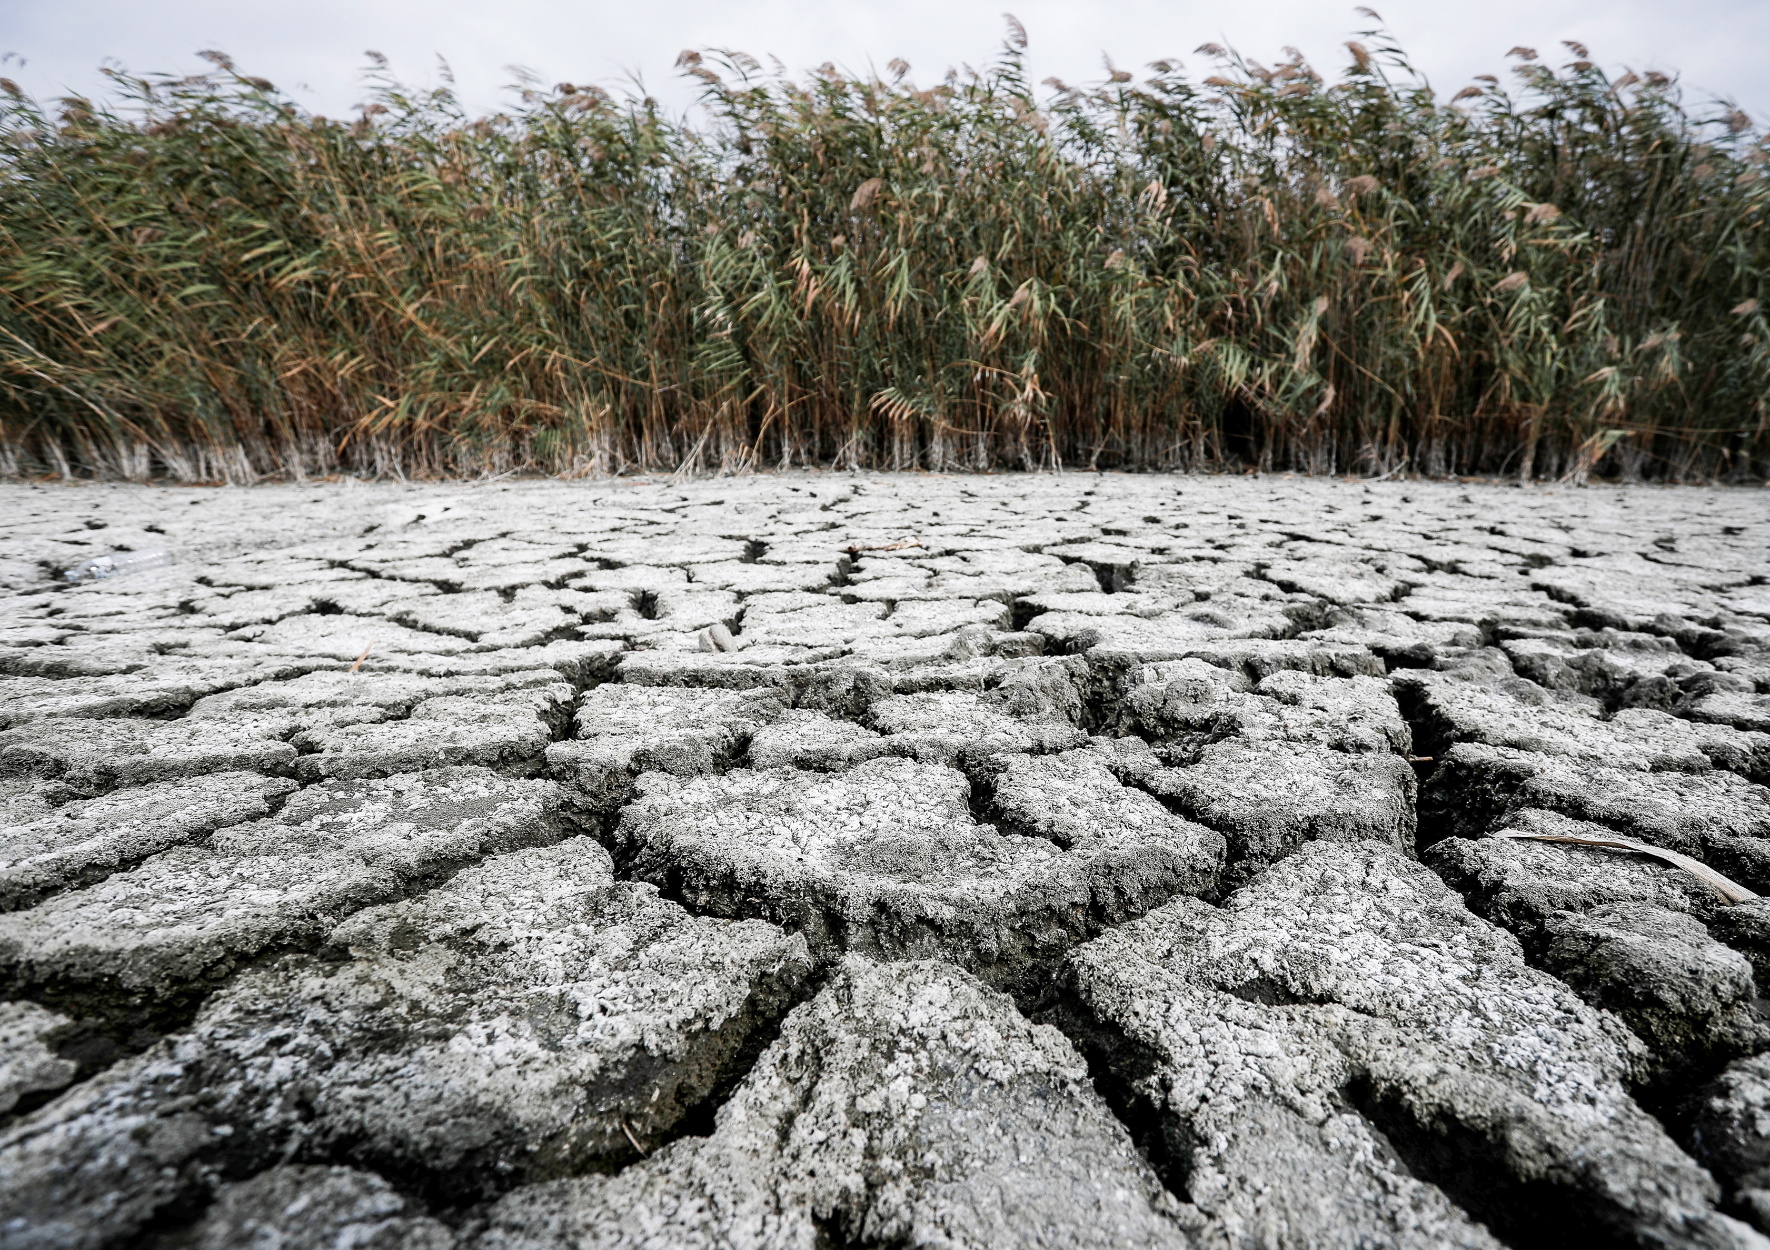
(850, 859)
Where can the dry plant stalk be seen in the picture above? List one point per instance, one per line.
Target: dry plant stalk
(1729, 890)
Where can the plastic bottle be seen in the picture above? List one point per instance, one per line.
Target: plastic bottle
(119, 564)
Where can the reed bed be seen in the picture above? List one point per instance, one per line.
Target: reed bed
(1260, 267)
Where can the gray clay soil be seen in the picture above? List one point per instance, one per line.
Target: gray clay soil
(823, 862)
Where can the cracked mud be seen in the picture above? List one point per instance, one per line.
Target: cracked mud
(825, 862)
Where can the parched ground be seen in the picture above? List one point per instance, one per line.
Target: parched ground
(824, 861)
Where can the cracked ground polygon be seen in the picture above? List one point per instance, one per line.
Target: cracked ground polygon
(849, 860)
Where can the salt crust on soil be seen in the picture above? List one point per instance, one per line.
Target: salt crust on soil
(846, 860)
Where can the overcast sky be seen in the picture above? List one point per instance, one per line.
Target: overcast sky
(314, 48)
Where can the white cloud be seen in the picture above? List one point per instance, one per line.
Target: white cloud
(315, 49)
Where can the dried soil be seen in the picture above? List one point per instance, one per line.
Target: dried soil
(824, 861)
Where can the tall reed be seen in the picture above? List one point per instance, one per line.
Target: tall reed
(1261, 267)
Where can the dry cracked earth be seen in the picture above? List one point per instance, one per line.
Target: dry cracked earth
(825, 861)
